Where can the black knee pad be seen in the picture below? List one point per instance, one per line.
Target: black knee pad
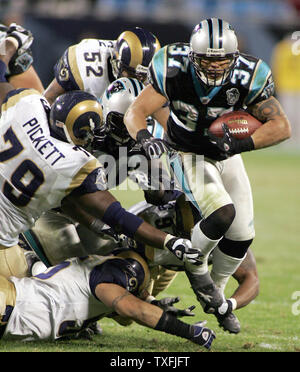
(234, 248)
(217, 223)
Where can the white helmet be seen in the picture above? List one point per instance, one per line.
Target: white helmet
(213, 39)
(115, 101)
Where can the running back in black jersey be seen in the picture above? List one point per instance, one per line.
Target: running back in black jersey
(194, 106)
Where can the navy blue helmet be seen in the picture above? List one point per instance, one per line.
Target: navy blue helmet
(74, 116)
(134, 52)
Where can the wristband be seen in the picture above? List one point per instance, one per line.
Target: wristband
(150, 298)
(245, 144)
(167, 239)
(143, 135)
(233, 302)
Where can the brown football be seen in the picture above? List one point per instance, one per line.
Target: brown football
(240, 123)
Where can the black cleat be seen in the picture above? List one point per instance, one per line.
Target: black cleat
(229, 322)
(208, 294)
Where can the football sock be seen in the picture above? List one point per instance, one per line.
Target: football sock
(223, 267)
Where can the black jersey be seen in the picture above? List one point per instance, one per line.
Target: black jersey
(194, 106)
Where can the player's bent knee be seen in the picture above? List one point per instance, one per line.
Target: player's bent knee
(217, 223)
(234, 248)
(13, 262)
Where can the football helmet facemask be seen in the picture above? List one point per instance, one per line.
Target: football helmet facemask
(115, 101)
(74, 116)
(213, 51)
(133, 53)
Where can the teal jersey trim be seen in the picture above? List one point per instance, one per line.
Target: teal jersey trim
(36, 247)
(204, 96)
(158, 131)
(261, 75)
(176, 165)
(159, 68)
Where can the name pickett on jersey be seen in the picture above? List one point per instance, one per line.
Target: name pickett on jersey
(43, 144)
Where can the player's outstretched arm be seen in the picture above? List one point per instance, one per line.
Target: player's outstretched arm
(17, 38)
(8, 49)
(276, 126)
(104, 206)
(28, 79)
(129, 306)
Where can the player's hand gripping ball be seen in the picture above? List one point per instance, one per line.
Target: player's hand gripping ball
(240, 124)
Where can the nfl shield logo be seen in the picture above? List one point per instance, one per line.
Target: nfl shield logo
(233, 96)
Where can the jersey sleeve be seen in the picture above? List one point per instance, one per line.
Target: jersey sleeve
(157, 72)
(90, 178)
(15, 96)
(262, 84)
(107, 272)
(66, 70)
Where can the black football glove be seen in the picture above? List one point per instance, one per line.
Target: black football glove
(183, 250)
(153, 147)
(229, 145)
(167, 305)
(24, 37)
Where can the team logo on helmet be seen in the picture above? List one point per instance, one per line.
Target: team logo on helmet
(134, 52)
(74, 116)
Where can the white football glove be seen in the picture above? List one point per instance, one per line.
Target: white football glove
(24, 37)
(183, 250)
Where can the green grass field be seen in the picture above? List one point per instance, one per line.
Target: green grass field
(268, 324)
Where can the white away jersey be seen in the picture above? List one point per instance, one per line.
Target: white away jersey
(36, 170)
(56, 302)
(86, 66)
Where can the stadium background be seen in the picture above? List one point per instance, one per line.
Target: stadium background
(265, 29)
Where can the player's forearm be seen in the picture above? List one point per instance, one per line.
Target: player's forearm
(247, 291)
(53, 91)
(271, 133)
(276, 126)
(28, 79)
(135, 120)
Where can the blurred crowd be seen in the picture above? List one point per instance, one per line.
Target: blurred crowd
(161, 10)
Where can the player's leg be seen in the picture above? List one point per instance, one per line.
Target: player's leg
(201, 182)
(233, 247)
(54, 238)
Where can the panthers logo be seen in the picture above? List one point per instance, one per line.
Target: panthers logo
(116, 87)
